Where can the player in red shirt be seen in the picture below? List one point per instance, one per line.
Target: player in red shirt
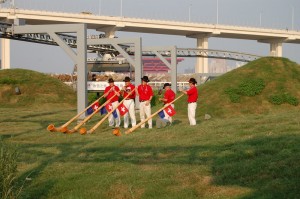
(169, 96)
(145, 94)
(129, 103)
(109, 92)
(192, 100)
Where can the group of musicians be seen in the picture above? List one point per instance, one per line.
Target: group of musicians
(145, 94)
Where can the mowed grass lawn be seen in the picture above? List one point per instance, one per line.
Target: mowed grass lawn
(255, 156)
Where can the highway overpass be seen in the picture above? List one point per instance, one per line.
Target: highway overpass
(110, 24)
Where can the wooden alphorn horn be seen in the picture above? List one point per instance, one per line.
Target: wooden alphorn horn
(151, 116)
(52, 128)
(84, 131)
(65, 130)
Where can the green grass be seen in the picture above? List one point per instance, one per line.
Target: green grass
(247, 150)
(240, 157)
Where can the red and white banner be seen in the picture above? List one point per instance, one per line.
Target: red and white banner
(122, 109)
(170, 110)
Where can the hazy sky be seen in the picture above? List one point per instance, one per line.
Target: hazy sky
(279, 14)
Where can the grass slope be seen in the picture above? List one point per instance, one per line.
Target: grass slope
(37, 89)
(280, 76)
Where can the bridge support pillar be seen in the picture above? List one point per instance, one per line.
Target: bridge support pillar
(5, 53)
(276, 49)
(202, 62)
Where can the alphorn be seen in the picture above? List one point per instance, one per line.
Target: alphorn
(84, 131)
(52, 128)
(151, 116)
(65, 130)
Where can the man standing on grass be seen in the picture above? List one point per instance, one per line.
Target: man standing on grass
(109, 92)
(192, 100)
(145, 93)
(129, 102)
(169, 96)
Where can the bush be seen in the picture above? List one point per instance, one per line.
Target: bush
(8, 81)
(8, 170)
(251, 87)
(279, 99)
(248, 87)
(233, 94)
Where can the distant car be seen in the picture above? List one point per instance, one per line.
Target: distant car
(86, 13)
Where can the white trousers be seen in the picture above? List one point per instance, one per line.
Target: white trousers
(145, 110)
(129, 104)
(167, 117)
(192, 113)
(111, 119)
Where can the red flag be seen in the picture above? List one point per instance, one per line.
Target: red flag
(109, 107)
(95, 106)
(122, 109)
(170, 110)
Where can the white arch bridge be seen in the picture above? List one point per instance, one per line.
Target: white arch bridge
(71, 40)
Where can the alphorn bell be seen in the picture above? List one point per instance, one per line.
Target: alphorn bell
(65, 130)
(84, 131)
(52, 128)
(151, 116)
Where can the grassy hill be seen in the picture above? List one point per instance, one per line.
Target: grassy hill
(36, 89)
(262, 86)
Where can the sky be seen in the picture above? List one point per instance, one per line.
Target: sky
(276, 14)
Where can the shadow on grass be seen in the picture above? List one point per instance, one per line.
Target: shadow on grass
(42, 188)
(41, 114)
(267, 165)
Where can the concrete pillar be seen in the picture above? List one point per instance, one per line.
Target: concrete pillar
(174, 68)
(5, 53)
(276, 49)
(81, 58)
(201, 62)
(110, 34)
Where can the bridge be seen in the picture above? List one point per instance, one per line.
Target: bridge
(71, 40)
(201, 32)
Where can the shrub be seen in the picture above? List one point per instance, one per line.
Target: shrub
(251, 87)
(8, 80)
(279, 99)
(248, 87)
(233, 94)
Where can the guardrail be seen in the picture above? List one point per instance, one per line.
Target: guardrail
(94, 86)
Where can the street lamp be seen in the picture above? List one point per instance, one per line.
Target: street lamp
(293, 17)
(217, 11)
(12, 3)
(190, 12)
(260, 19)
(99, 7)
(121, 9)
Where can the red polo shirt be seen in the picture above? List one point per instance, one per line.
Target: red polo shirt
(128, 89)
(169, 95)
(111, 93)
(145, 92)
(192, 94)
